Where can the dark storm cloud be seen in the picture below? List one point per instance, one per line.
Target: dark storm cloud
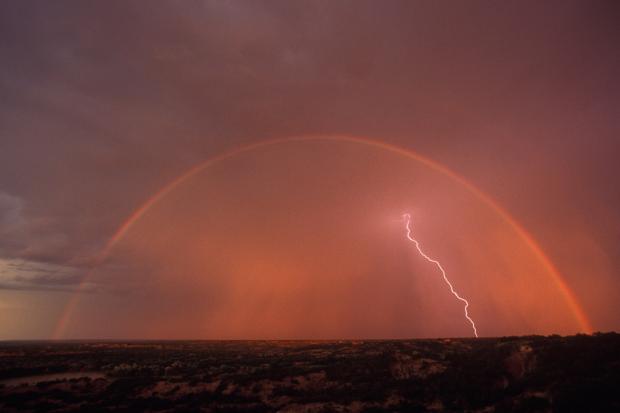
(28, 238)
(31, 250)
(18, 274)
(104, 102)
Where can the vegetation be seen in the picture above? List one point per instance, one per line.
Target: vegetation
(512, 374)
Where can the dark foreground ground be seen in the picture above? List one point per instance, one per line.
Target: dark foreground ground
(515, 374)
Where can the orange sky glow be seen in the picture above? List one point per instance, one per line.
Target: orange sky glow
(208, 169)
(264, 243)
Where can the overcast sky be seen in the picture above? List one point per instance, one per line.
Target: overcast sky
(104, 102)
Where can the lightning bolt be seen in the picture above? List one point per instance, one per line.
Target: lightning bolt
(408, 224)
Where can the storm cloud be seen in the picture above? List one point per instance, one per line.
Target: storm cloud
(102, 103)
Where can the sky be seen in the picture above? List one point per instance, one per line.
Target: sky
(104, 103)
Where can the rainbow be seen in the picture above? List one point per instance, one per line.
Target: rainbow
(568, 294)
